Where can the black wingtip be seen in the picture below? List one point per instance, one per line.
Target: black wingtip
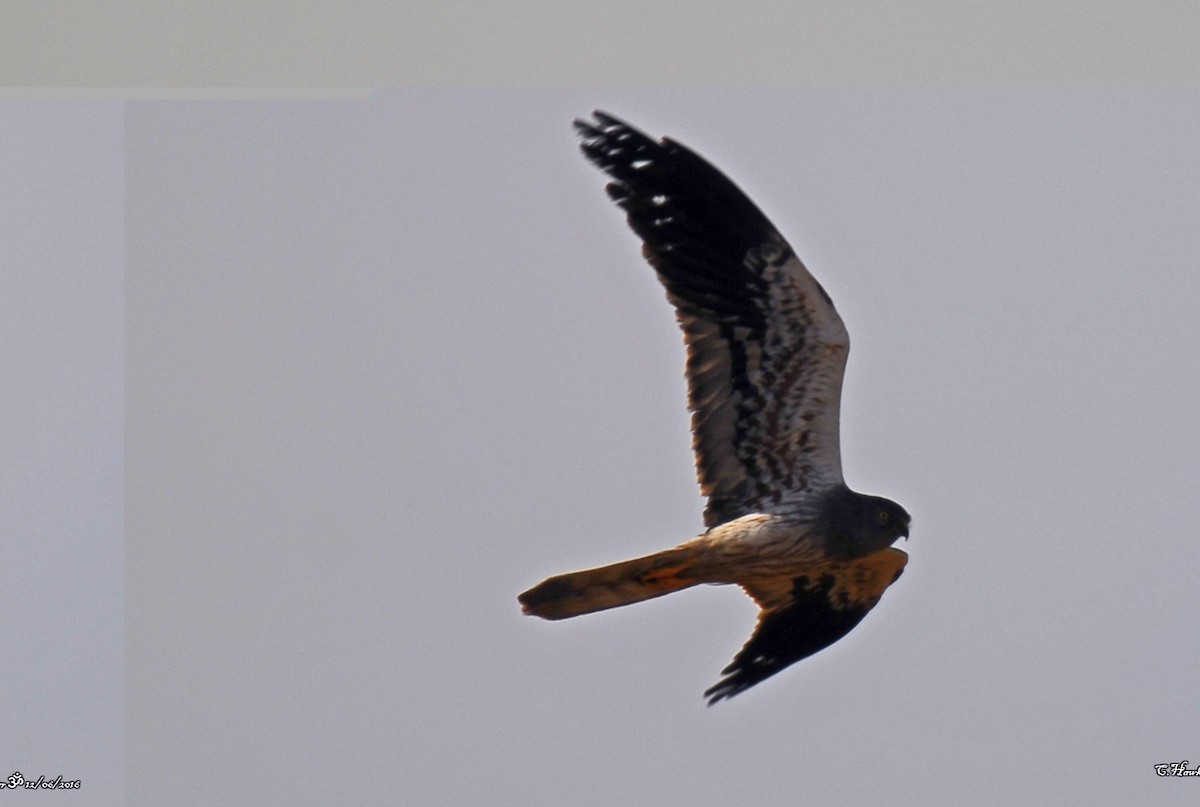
(608, 119)
(734, 682)
(603, 125)
(594, 126)
(715, 694)
(676, 200)
(814, 621)
(585, 129)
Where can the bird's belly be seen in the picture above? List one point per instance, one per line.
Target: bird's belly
(757, 545)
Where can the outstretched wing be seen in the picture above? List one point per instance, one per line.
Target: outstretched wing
(766, 349)
(802, 616)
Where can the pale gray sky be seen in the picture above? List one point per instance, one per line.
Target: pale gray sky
(390, 362)
(307, 43)
(62, 426)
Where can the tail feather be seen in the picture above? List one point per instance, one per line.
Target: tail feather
(576, 593)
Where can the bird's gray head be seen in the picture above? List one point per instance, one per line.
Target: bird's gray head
(856, 524)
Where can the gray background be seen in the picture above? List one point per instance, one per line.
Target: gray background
(311, 43)
(61, 434)
(391, 361)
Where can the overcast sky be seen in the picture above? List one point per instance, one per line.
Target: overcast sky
(61, 465)
(390, 362)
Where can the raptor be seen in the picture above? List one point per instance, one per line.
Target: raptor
(766, 353)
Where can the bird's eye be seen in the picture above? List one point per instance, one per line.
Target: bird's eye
(884, 515)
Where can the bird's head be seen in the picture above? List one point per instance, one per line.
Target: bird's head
(856, 524)
(890, 520)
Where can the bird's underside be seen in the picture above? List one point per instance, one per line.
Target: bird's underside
(805, 605)
(766, 354)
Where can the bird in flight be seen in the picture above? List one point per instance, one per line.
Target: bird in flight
(766, 352)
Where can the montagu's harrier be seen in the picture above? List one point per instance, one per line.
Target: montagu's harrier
(765, 356)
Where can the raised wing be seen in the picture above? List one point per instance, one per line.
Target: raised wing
(766, 349)
(802, 616)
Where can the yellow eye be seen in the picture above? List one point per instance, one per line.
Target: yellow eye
(884, 515)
